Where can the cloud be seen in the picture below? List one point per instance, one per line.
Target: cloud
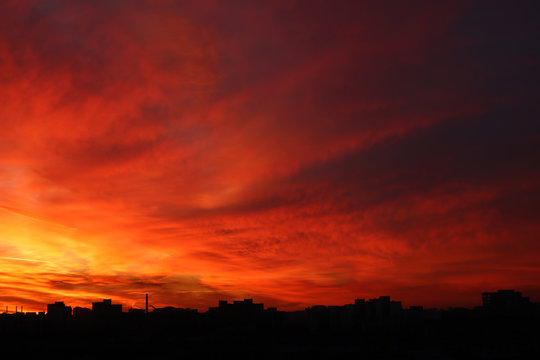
(293, 152)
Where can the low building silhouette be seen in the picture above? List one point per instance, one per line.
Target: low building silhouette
(58, 310)
(106, 307)
(58, 317)
(81, 312)
(506, 302)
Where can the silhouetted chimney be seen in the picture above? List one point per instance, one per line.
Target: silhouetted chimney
(146, 311)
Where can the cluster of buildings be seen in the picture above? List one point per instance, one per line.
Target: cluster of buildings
(362, 313)
(104, 308)
(505, 323)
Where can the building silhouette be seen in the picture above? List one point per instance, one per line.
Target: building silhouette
(58, 310)
(106, 308)
(505, 326)
(505, 302)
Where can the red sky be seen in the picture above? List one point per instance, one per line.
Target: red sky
(296, 152)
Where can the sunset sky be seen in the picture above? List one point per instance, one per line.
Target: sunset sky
(293, 152)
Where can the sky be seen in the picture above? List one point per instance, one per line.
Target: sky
(293, 152)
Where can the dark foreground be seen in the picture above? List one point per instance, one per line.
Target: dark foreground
(507, 326)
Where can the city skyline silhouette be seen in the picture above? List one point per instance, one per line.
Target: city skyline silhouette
(505, 325)
(149, 307)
